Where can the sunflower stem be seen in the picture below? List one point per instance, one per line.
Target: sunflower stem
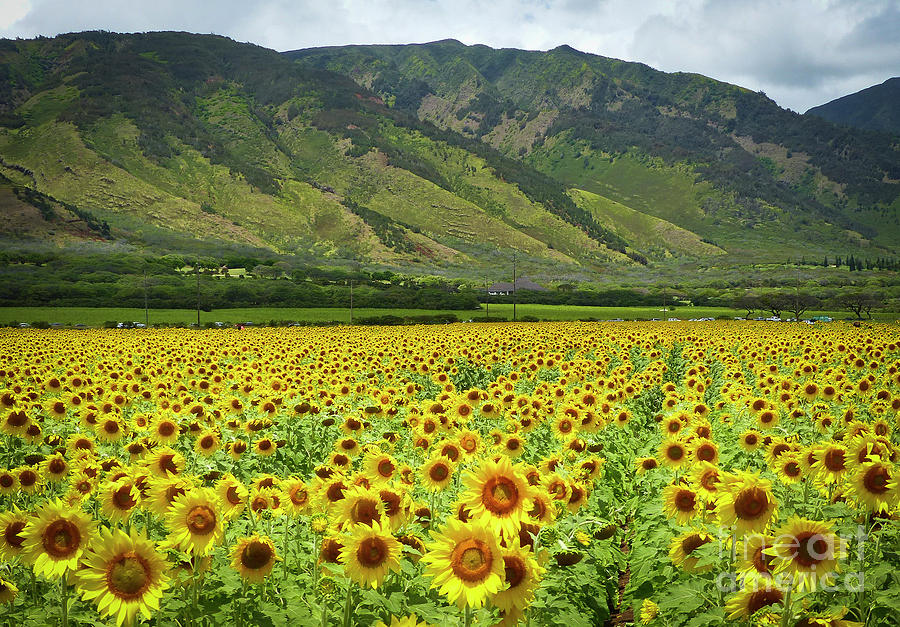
(286, 560)
(787, 614)
(347, 605)
(64, 595)
(468, 615)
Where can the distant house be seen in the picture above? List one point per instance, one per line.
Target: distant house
(504, 288)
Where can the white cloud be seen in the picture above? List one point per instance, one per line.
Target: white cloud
(802, 53)
(11, 11)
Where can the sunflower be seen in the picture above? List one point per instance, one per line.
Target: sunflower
(254, 558)
(706, 451)
(522, 574)
(195, 521)
(753, 561)
(407, 621)
(644, 464)
(870, 486)
(123, 575)
(264, 447)
(30, 480)
(360, 506)
(831, 463)
(207, 443)
(232, 495)
(681, 503)
(808, 549)
(163, 491)
(56, 538)
(673, 453)
(8, 592)
(379, 467)
(55, 468)
(465, 563)
(708, 478)
(165, 430)
(788, 468)
(164, 461)
(754, 596)
(682, 547)
(369, 553)
(748, 503)
(498, 491)
(15, 423)
(118, 499)
(12, 524)
(295, 496)
(437, 473)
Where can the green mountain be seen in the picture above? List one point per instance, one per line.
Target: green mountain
(716, 159)
(875, 108)
(421, 157)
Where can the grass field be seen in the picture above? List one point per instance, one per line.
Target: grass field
(96, 316)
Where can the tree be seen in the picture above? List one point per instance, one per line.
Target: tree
(747, 302)
(859, 302)
(801, 303)
(775, 302)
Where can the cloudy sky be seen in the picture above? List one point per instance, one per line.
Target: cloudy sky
(800, 52)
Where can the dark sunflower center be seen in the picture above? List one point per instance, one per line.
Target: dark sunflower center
(792, 469)
(207, 441)
(385, 468)
(56, 466)
(122, 498)
(751, 503)
(372, 552)
(763, 598)
(201, 520)
(299, 495)
(439, 472)
(834, 460)
(471, 560)
(391, 502)
(166, 429)
(256, 555)
(335, 492)
(515, 570)
(232, 496)
(810, 549)
(364, 511)
(675, 453)
(693, 542)
(128, 576)
(761, 561)
(61, 538)
(648, 464)
(706, 453)
(876, 479)
(12, 534)
(685, 501)
(27, 478)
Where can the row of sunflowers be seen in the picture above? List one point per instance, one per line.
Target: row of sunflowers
(541, 474)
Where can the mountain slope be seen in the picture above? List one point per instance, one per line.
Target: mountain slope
(427, 158)
(875, 108)
(201, 135)
(717, 159)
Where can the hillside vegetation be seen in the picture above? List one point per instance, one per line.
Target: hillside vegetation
(434, 158)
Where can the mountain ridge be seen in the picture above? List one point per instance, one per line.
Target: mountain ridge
(874, 108)
(438, 155)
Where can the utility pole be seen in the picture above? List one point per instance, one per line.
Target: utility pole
(515, 297)
(351, 301)
(146, 309)
(197, 268)
(487, 300)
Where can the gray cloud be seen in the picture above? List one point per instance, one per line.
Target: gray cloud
(802, 53)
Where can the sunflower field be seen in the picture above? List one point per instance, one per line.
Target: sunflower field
(536, 474)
